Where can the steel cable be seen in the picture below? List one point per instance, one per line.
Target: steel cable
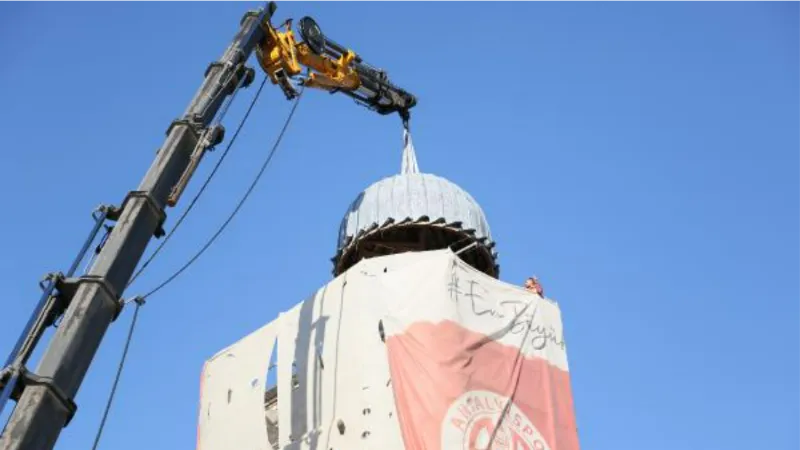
(244, 198)
(205, 183)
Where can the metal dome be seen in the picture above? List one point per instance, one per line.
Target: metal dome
(434, 206)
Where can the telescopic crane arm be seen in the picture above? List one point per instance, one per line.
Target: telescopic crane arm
(88, 303)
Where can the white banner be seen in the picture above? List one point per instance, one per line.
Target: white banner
(416, 351)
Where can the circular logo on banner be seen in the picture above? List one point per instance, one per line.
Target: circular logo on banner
(477, 421)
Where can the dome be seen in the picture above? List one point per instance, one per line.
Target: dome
(414, 211)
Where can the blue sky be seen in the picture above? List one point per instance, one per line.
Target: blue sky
(641, 158)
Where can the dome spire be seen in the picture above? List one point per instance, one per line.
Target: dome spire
(414, 212)
(409, 164)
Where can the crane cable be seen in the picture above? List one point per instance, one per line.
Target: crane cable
(233, 213)
(213, 172)
(140, 300)
(117, 377)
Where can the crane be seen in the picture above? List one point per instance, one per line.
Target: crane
(87, 304)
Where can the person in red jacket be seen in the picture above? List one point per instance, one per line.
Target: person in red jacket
(532, 284)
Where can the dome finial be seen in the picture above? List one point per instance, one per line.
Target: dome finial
(409, 156)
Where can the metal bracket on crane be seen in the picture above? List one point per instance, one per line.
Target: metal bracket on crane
(21, 378)
(154, 209)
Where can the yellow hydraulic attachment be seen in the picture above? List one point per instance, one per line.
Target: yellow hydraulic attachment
(331, 67)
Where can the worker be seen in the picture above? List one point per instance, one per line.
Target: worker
(532, 284)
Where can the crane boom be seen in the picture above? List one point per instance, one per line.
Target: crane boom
(89, 303)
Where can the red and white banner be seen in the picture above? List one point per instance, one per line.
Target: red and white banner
(476, 363)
